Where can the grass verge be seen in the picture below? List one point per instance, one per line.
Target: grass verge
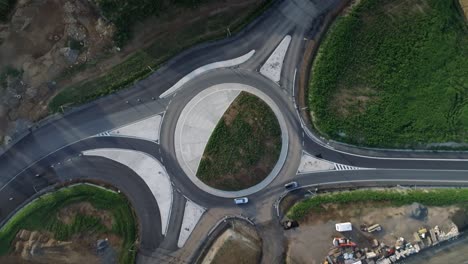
(393, 74)
(437, 197)
(142, 63)
(244, 146)
(41, 215)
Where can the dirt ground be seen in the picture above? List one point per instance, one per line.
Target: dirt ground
(464, 5)
(237, 245)
(47, 38)
(41, 247)
(43, 39)
(311, 242)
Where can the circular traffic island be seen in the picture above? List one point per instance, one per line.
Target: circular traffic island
(244, 146)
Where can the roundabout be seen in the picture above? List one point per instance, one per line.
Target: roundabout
(197, 122)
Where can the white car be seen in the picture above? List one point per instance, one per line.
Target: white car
(242, 200)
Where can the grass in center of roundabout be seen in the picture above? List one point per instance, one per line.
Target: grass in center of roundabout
(244, 146)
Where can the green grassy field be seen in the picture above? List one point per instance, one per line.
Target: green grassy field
(393, 73)
(140, 65)
(244, 146)
(437, 197)
(41, 215)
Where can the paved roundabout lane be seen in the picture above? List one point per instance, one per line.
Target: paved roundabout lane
(231, 79)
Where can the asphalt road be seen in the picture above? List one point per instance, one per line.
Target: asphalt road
(59, 143)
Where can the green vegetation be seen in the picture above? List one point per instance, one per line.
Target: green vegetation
(41, 215)
(124, 14)
(122, 75)
(6, 72)
(244, 146)
(6, 6)
(437, 197)
(142, 63)
(393, 74)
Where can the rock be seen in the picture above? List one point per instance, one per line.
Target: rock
(34, 236)
(104, 28)
(24, 235)
(18, 246)
(418, 211)
(75, 30)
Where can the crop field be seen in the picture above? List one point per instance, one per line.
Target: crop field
(244, 146)
(394, 74)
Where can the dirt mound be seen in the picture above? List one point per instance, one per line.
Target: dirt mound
(40, 247)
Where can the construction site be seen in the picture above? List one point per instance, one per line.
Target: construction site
(346, 251)
(372, 233)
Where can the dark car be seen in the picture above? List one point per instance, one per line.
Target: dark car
(290, 224)
(291, 185)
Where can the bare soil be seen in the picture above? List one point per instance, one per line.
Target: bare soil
(356, 99)
(464, 6)
(43, 39)
(311, 242)
(239, 244)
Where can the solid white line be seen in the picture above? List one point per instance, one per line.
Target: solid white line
(319, 142)
(294, 82)
(389, 180)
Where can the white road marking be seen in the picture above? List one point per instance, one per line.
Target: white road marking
(342, 167)
(272, 67)
(310, 163)
(147, 129)
(192, 214)
(208, 67)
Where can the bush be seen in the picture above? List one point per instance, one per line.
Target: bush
(6, 6)
(439, 197)
(409, 59)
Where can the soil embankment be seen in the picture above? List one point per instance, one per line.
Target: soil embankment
(238, 244)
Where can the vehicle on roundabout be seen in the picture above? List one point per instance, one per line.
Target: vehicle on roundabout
(242, 200)
(291, 185)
